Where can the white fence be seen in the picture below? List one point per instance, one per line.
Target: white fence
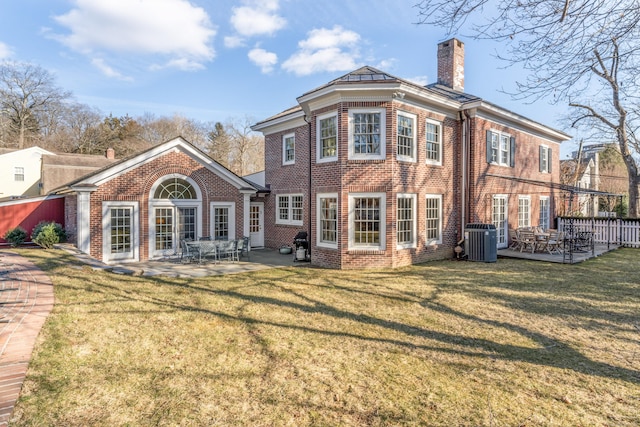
(625, 232)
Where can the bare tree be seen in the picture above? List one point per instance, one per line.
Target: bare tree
(27, 97)
(583, 53)
(247, 147)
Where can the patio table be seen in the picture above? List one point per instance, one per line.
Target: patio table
(204, 249)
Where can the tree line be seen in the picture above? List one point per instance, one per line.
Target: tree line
(35, 111)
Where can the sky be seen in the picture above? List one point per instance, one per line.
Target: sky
(213, 60)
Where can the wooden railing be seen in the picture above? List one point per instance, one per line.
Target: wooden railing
(625, 232)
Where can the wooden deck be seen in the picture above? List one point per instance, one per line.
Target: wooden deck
(574, 258)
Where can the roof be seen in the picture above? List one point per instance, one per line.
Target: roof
(438, 93)
(113, 170)
(60, 169)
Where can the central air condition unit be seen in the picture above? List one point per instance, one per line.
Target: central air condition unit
(480, 242)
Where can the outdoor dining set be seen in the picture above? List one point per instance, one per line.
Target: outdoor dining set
(205, 249)
(536, 239)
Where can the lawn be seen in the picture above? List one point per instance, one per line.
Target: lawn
(512, 343)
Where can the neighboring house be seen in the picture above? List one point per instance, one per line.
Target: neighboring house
(59, 169)
(383, 172)
(583, 178)
(20, 172)
(141, 207)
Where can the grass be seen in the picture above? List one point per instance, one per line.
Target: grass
(513, 343)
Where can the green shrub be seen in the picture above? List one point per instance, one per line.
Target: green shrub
(47, 234)
(16, 236)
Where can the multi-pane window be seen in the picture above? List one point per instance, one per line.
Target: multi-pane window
(367, 134)
(367, 221)
(288, 149)
(504, 150)
(499, 219)
(328, 220)
(221, 223)
(406, 220)
(290, 209)
(120, 230)
(433, 214)
(545, 213)
(406, 137)
(524, 211)
(175, 188)
(18, 174)
(328, 137)
(187, 223)
(433, 131)
(545, 159)
(500, 149)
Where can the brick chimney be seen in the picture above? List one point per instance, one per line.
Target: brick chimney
(110, 153)
(451, 64)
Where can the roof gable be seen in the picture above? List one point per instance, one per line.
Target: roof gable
(107, 173)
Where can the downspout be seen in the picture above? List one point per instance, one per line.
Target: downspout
(308, 120)
(464, 116)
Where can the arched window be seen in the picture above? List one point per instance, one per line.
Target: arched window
(175, 188)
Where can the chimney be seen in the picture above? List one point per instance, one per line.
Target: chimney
(110, 154)
(451, 64)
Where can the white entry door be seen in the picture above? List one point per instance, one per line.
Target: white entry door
(256, 224)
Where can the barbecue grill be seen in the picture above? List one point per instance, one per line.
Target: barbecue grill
(301, 243)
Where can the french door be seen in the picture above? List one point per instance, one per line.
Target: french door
(172, 224)
(499, 219)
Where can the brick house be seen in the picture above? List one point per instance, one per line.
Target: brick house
(140, 207)
(383, 172)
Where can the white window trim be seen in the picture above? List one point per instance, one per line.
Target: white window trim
(437, 241)
(132, 256)
(548, 200)
(18, 170)
(319, 222)
(383, 138)
(546, 150)
(498, 157)
(437, 162)
(284, 149)
(413, 157)
(290, 214)
(528, 199)
(414, 228)
(319, 158)
(232, 217)
(383, 221)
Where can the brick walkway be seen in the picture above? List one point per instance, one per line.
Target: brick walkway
(26, 298)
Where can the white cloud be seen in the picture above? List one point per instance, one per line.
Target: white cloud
(258, 17)
(325, 49)
(263, 59)
(108, 71)
(173, 29)
(232, 42)
(5, 51)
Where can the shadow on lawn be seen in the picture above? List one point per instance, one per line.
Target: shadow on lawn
(550, 352)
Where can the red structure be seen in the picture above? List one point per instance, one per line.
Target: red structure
(27, 213)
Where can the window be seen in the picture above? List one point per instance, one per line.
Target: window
(499, 219)
(406, 221)
(288, 149)
(223, 216)
(433, 213)
(406, 137)
(367, 134)
(500, 149)
(290, 209)
(121, 230)
(545, 159)
(175, 188)
(367, 225)
(433, 131)
(18, 174)
(524, 211)
(545, 213)
(328, 220)
(327, 137)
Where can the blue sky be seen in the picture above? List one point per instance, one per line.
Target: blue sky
(211, 60)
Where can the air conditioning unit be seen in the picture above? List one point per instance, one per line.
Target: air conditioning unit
(480, 242)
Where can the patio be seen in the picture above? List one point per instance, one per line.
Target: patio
(259, 259)
(566, 257)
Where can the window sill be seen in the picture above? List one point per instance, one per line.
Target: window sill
(358, 161)
(366, 252)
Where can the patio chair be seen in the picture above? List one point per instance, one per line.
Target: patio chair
(187, 255)
(242, 248)
(227, 249)
(527, 241)
(514, 240)
(554, 244)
